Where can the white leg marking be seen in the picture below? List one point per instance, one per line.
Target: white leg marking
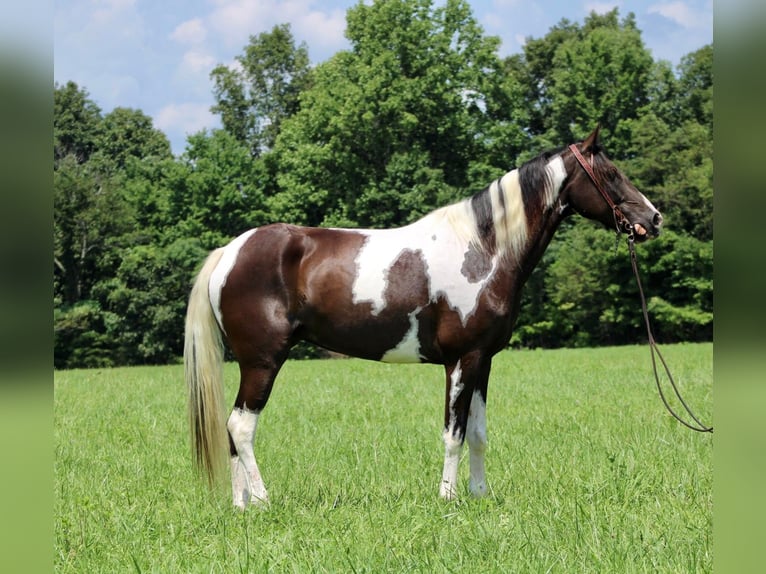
(452, 445)
(222, 270)
(476, 434)
(242, 424)
(239, 488)
(452, 449)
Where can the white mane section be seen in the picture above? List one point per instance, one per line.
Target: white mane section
(510, 218)
(557, 173)
(509, 215)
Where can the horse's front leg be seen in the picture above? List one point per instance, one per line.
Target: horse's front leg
(476, 433)
(464, 418)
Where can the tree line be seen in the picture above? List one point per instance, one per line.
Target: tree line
(420, 111)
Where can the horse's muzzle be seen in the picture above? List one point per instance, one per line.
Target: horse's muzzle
(642, 232)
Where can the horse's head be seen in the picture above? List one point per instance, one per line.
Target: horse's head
(599, 191)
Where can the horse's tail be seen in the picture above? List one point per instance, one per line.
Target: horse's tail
(203, 366)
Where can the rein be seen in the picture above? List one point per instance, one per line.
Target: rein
(622, 224)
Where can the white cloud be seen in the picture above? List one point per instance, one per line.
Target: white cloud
(190, 32)
(321, 29)
(186, 118)
(112, 11)
(678, 12)
(197, 62)
(234, 21)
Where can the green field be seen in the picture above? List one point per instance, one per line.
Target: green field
(586, 471)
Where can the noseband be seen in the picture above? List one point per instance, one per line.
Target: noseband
(620, 221)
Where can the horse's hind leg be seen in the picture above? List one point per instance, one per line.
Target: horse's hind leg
(254, 389)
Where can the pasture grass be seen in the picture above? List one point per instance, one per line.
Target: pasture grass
(586, 471)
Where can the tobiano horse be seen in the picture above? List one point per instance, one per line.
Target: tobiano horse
(445, 289)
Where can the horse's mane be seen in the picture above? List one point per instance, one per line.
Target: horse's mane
(535, 179)
(495, 218)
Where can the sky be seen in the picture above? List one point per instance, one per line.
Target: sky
(156, 56)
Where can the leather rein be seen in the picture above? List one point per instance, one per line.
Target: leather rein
(622, 224)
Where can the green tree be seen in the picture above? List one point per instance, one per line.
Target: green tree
(696, 86)
(669, 153)
(256, 96)
(146, 299)
(126, 133)
(599, 77)
(89, 217)
(76, 123)
(220, 193)
(580, 75)
(407, 108)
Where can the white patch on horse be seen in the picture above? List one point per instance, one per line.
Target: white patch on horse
(373, 261)
(557, 173)
(408, 350)
(246, 482)
(382, 248)
(221, 272)
(647, 202)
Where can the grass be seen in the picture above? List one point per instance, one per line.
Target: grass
(586, 471)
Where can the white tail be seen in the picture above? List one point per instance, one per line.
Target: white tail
(203, 366)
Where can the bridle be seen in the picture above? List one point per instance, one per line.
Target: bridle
(622, 224)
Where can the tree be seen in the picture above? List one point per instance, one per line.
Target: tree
(696, 86)
(405, 109)
(76, 123)
(580, 75)
(88, 219)
(600, 76)
(146, 301)
(127, 133)
(669, 150)
(418, 112)
(221, 191)
(254, 97)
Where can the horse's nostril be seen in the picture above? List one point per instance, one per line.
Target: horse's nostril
(657, 221)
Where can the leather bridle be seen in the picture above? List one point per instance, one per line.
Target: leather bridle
(622, 224)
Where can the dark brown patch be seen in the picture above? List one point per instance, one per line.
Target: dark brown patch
(407, 282)
(476, 264)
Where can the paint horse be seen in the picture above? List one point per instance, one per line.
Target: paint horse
(444, 289)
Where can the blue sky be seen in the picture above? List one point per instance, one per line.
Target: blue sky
(157, 55)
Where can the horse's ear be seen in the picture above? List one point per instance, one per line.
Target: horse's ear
(591, 143)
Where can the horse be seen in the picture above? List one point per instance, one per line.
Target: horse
(445, 290)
